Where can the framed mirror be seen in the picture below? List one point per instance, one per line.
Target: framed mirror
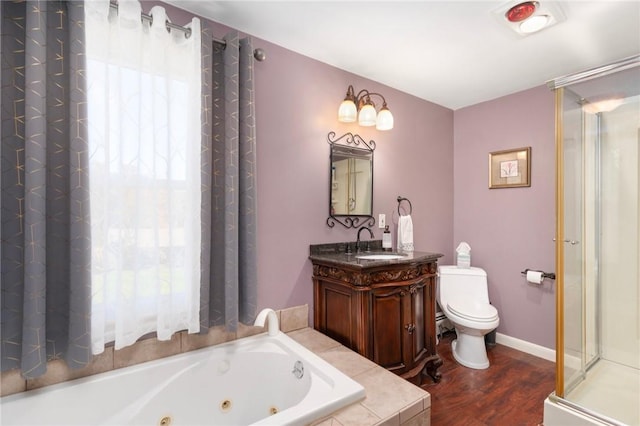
(350, 181)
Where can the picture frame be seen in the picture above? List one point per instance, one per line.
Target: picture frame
(510, 168)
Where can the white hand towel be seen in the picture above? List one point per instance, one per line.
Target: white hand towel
(405, 233)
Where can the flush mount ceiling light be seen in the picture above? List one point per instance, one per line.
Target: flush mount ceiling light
(529, 17)
(362, 108)
(534, 24)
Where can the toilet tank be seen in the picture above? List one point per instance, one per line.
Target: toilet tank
(471, 283)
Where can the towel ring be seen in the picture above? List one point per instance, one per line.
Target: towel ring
(400, 200)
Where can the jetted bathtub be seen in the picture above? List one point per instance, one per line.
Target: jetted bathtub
(256, 380)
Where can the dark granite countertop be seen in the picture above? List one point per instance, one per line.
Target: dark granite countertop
(336, 253)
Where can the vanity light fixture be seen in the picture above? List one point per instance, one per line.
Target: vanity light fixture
(362, 108)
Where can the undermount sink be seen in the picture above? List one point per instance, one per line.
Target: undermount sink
(383, 256)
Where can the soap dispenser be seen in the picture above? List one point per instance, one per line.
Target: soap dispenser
(386, 239)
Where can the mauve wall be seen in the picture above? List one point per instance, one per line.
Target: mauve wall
(509, 229)
(296, 106)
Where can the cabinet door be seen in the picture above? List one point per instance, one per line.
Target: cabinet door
(335, 315)
(422, 315)
(390, 320)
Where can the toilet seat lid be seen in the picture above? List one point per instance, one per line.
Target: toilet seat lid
(473, 310)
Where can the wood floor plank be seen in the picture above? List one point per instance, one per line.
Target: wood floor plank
(510, 392)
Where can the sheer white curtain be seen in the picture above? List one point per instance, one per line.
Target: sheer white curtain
(144, 85)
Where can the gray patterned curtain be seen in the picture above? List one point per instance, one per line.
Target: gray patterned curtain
(229, 277)
(46, 290)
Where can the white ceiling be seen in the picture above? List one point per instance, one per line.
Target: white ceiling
(452, 53)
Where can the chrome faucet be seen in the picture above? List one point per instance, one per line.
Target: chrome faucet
(358, 240)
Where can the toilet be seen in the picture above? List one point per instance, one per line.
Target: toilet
(464, 299)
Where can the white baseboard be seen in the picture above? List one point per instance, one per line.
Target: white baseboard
(527, 347)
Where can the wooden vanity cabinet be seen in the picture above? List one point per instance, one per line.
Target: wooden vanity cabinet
(386, 313)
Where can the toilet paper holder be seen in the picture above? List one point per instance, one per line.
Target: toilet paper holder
(549, 275)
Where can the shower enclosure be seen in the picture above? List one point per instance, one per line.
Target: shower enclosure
(597, 247)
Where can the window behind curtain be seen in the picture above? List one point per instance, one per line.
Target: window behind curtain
(144, 137)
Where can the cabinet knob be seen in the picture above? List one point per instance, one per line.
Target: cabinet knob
(410, 327)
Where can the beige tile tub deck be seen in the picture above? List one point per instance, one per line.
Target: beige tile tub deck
(294, 318)
(390, 400)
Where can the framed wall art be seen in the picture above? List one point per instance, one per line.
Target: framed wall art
(510, 168)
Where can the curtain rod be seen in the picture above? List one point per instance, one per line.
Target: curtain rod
(170, 25)
(258, 53)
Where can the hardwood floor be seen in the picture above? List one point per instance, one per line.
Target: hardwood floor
(510, 392)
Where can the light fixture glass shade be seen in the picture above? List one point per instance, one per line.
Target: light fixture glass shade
(367, 116)
(347, 113)
(605, 105)
(384, 120)
(534, 24)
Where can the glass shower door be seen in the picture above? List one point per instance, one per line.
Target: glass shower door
(572, 170)
(580, 239)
